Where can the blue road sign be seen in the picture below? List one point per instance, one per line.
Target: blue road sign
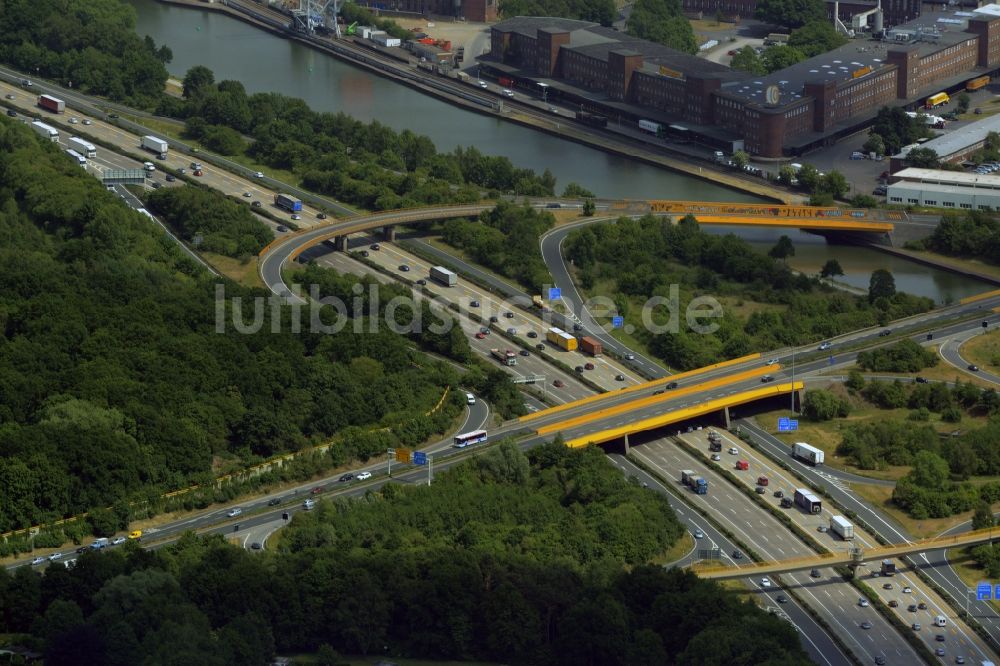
(617, 322)
(996, 591)
(555, 293)
(983, 591)
(783, 424)
(419, 458)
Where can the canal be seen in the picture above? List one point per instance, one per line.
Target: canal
(266, 63)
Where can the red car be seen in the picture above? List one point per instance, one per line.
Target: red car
(317, 490)
(558, 383)
(733, 52)
(480, 336)
(198, 172)
(589, 366)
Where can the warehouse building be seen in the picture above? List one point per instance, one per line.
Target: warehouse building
(959, 190)
(788, 112)
(894, 12)
(955, 146)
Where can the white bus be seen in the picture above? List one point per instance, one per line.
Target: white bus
(80, 159)
(469, 438)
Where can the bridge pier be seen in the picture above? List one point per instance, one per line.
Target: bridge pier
(389, 233)
(857, 559)
(626, 444)
(725, 416)
(340, 243)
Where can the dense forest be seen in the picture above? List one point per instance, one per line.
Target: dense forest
(974, 234)
(536, 558)
(364, 164)
(645, 257)
(505, 239)
(89, 45)
(114, 375)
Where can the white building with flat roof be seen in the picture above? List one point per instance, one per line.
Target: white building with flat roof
(960, 190)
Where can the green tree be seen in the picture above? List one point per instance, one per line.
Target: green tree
(835, 184)
(874, 144)
(929, 470)
(574, 191)
(780, 57)
(662, 21)
(809, 178)
(790, 13)
(747, 60)
(816, 37)
(855, 380)
(740, 159)
(897, 129)
(198, 80)
(983, 517)
(786, 175)
(782, 249)
(831, 268)
(821, 405)
(881, 285)
(589, 208)
(963, 102)
(924, 158)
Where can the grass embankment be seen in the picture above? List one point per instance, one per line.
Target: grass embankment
(677, 551)
(983, 350)
(244, 273)
(967, 569)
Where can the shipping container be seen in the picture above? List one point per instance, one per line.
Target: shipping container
(50, 103)
(50, 133)
(591, 346)
(290, 204)
(442, 275)
(85, 148)
(808, 501)
(561, 338)
(155, 145)
(976, 84)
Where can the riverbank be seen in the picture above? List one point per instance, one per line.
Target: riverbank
(939, 262)
(433, 85)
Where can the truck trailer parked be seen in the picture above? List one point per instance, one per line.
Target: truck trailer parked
(85, 148)
(443, 276)
(155, 145)
(810, 454)
(559, 337)
(808, 501)
(50, 103)
(841, 527)
(50, 133)
(591, 346)
(507, 357)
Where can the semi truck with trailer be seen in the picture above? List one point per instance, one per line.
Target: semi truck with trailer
(686, 474)
(808, 501)
(591, 346)
(714, 441)
(649, 127)
(47, 131)
(155, 145)
(810, 454)
(443, 276)
(50, 103)
(561, 338)
(85, 148)
(506, 357)
(842, 527)
(77, 157)
(291, 204)
(698, 485)
(888, 568)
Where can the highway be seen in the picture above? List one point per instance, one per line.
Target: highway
(960, 638)
(949, 351)
(833, 599)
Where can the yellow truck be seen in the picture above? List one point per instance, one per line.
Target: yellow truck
(559, 337)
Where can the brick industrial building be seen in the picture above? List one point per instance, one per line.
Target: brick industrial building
(788, 112)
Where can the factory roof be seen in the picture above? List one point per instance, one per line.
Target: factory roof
(949, 178)
(958, 140)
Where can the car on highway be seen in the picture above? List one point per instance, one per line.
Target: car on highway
(532, 335)
(363, 476)
(940, 652)
(887, 586)
(940, 638)
(671, 386)
(155, 185)
(814, 573)
(256, 545)
(525, 352)
(920, 380)
(733, 451)
(484, 330)
(659, 391)
(760, 490)
(863, 602)
(513, 331)
(822, 528)
(879, 660)
(915, 626)
(135, 534)
(578, 368)
(494, 319)
(344, 478)
(619, 378)
(554, 110)
(922, 606)
(282, 228)
(117, 541)
(473, 304)
(38, 560)
(973, 367)
(779, 493)
(588, 366)
(247, 195)
(320, 216)
(781, 599)
(9, 96)
(375, 246)
(232, 513)
(866, 625)
(73, 120)
(825, 346)
(482, 84)
(716, 457)
(12, 113)
(773, 361)
(907, 590)
(296, 217)
(885, 333)
(258, 175)
(698, 534)
(629, 357)
(422, 282)
(274, 501)
(316, 491)
(480, 335)
(737, 555)
(55, 556)
(912, 608)
(508, 92)
(960, 659)
(171, 177)
(508, 315)
(558, 383)
(766, 379)
(403, 268)
(893, 603)
(87, 121)
(540, 347)
(765, 582)
(198, 172)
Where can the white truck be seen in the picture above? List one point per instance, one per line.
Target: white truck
(47, 131)
(842, 527)
(810, 454)
(85, 148)
(156, 145)
(442, 275)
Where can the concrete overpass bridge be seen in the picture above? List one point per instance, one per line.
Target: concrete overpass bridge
(853, 557)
